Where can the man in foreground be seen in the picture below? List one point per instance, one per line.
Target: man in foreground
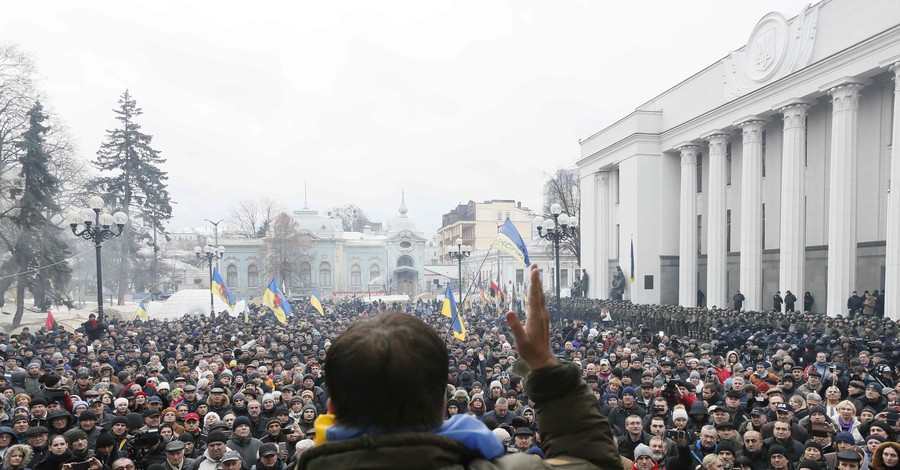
(396, 355)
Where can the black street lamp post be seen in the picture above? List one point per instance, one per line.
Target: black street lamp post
(459, 253)
(211, 254)
(96, 228)
(557, 229)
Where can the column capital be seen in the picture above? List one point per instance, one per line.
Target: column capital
(689, 153)
(717, 139)
(794, 112)
(602, 176)
(753, 118)
(843, 81)
(845, 94)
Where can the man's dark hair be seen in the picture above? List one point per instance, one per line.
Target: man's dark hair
(388, 372)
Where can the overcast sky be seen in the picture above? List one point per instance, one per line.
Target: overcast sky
(449, 101)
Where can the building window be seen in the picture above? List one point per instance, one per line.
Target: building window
(699, 233)
(728, 231)
(287, 275)
(374, 272)
(763, 227)
(499, 215)
(563, 277)
(231, 278)
(405, 261)
(324, 274)
(520, 276)
(699, 172)
(305, 275)
(764, 153)
(728, 164)
(252, 276)
(355, 275)
(507, 215)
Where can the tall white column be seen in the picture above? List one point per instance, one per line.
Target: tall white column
(687, 241)
(601, 275)
(751, 213)
(842, 196)
(717, 255)
(792, 243)
(892, 271)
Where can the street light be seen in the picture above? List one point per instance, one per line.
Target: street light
(211, 254)
(459, 253)
(559, 228)
(97, 229)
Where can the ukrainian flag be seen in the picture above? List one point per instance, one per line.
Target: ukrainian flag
(449, 310)
(509, 241)
(142, 311)
(219, 288)
(316, 303)
(274, 299)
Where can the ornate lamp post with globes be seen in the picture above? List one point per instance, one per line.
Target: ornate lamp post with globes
(96, 228)
(557, 229)
(459, 253)
(211, 254)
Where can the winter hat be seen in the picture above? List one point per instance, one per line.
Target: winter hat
(478, 396)
(818, 409)
(105, 439)
(496, 384)
(777, 450)
(809, 465)
(217, 436)
(239, 396)
(844, 436)
(120, 401)
(73, 435)
(50, 381)
(120, 420)
(239, 421)
(87, 415)
(643, 450)
(629, 391)
(679, 413)
(501, 434)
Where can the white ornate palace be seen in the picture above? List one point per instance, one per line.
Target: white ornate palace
(768, 170)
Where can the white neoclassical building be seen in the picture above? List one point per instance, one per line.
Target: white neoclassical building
(768, 170)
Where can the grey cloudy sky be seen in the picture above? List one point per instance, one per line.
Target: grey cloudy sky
(450, 101)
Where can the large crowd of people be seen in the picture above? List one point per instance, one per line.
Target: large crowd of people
(646, 387)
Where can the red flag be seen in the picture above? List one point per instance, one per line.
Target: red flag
(496, 289)
(51, 322)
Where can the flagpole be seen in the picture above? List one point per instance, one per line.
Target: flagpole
(478, 270)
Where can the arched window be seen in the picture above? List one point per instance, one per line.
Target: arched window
(405, 260)
(231, 278)
(287, 273)
(305, 274)
(374, 272)
(252, 276)
(355, 275)
(324, 274)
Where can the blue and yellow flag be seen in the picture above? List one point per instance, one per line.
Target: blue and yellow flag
(142, 311)
(219, 288)
(316, 303)
(274, 299)
(509, 241)
(632, 260)
(449, 310)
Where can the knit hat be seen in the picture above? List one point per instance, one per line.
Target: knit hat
(818, 409)
(73, 435)
(629, 391)
(105, 439)
(807, 464)
(496, 384)
(679, 413)
(643, 450)
(501, 434)
(120, 420)
(777, 450)
(87, 415)
(844, 436)
(120, 401)
(239, 421)
(217, 436)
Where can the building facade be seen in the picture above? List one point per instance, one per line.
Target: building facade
(768, 170)
(330, 260)
(477, 223)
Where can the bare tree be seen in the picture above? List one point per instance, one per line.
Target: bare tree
(353, 218)
(284, 247)
(564, 188)
(252, 218)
